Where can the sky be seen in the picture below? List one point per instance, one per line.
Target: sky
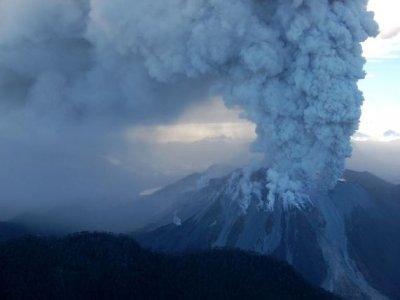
(381, 88)
(48, 159)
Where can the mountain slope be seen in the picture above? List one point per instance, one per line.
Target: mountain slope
(325, 241)
(114, 216)
(102, 266)
(9, 231)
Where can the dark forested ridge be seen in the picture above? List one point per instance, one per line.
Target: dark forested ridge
(9, 231)
(104, 266)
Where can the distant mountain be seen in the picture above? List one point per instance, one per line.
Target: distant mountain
(380, 158)
(346, 241)
(115, 216)
(102, 266)
(391, 134)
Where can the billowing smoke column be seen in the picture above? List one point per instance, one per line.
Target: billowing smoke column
(292, 65)
(299, 85)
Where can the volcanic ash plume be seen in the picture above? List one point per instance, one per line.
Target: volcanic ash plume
(299, 86)
(291, 65)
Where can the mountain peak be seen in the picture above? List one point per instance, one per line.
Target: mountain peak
(317, 238)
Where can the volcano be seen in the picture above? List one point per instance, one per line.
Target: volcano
(345, 240)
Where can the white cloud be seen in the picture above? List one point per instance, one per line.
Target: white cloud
(208, 120)
(380, 48)
(387, 44)
(386, 13)
(192, 132)
(378, 117)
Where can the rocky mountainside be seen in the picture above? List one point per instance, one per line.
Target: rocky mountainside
(345, 241)
(103, 266)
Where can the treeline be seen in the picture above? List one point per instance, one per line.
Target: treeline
(104, 266)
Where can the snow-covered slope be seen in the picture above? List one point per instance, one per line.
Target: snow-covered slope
(335, 240)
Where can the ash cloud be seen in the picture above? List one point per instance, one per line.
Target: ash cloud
(291, 65)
